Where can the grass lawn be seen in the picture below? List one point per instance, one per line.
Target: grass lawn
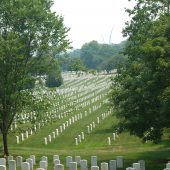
(95, 143)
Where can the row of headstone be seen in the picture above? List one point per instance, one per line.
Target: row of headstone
(70, 163)
(47, 116)
(140, 165)
(79, 138)
(26, 134)
(61, 128)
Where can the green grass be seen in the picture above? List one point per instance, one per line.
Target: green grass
(95, 143)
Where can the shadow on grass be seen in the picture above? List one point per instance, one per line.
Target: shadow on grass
(103, 131)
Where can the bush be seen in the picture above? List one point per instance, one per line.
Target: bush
(53, 81)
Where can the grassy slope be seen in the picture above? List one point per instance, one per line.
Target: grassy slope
(95, 143)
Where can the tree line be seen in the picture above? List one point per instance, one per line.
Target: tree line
(93, 56)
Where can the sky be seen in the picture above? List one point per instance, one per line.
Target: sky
(93, 19)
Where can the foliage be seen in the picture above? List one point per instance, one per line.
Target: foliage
(53, 81)
(77, 65)
(97, 56)
(29, 32)
(71, 63)
(140, 91)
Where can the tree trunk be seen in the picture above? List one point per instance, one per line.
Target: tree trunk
(5, 144)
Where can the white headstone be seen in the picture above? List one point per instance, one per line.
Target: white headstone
(77, 159)
(98, 120)
(68, 160)
(114, 136)
(83, 164)
(12, 165)
(94, 168)
(25, 166)
(2, 167)
(168, 165)
(136, 166)
(93, 160)
(73, 166)
(119, 160)
(59, 167)
(3, 161)
(76, 141)
(45, 141)
(19, 160)
(49, 138)
(56, 157)
(33, 158)
(142, 164)
(22, 137)
(57, 132)
(44, 158)
(88, 129)
(43, 164)
(17, 139)
(109, 141)
(10, 157)
(104, 166)
(79, 138)
(82, 135)
(30, 161)
(56, 161)
(112, 165)
(61, 129)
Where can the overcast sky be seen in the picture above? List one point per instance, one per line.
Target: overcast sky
(93, 19)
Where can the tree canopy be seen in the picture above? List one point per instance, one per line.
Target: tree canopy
(93, 55)
(29, 32)
(141, 89)
(98, 56)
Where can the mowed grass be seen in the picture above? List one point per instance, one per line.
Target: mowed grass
(95, 143)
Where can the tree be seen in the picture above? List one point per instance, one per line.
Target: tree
(98, 56)
(28, 30)
(54, 78)
(77, 65)
(140, 91)
(113, 63)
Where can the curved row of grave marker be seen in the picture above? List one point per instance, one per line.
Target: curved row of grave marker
(79, 103)
(33, 114)
(92, 126)
(65, 125)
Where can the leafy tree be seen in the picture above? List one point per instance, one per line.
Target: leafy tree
(97, 56)
(89, 54)
(113, 63)
(54, 78)
(77, 65)
(53, 81)
(28, 30)
(140, 91)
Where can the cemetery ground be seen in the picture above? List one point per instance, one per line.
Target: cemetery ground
(79, 122)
